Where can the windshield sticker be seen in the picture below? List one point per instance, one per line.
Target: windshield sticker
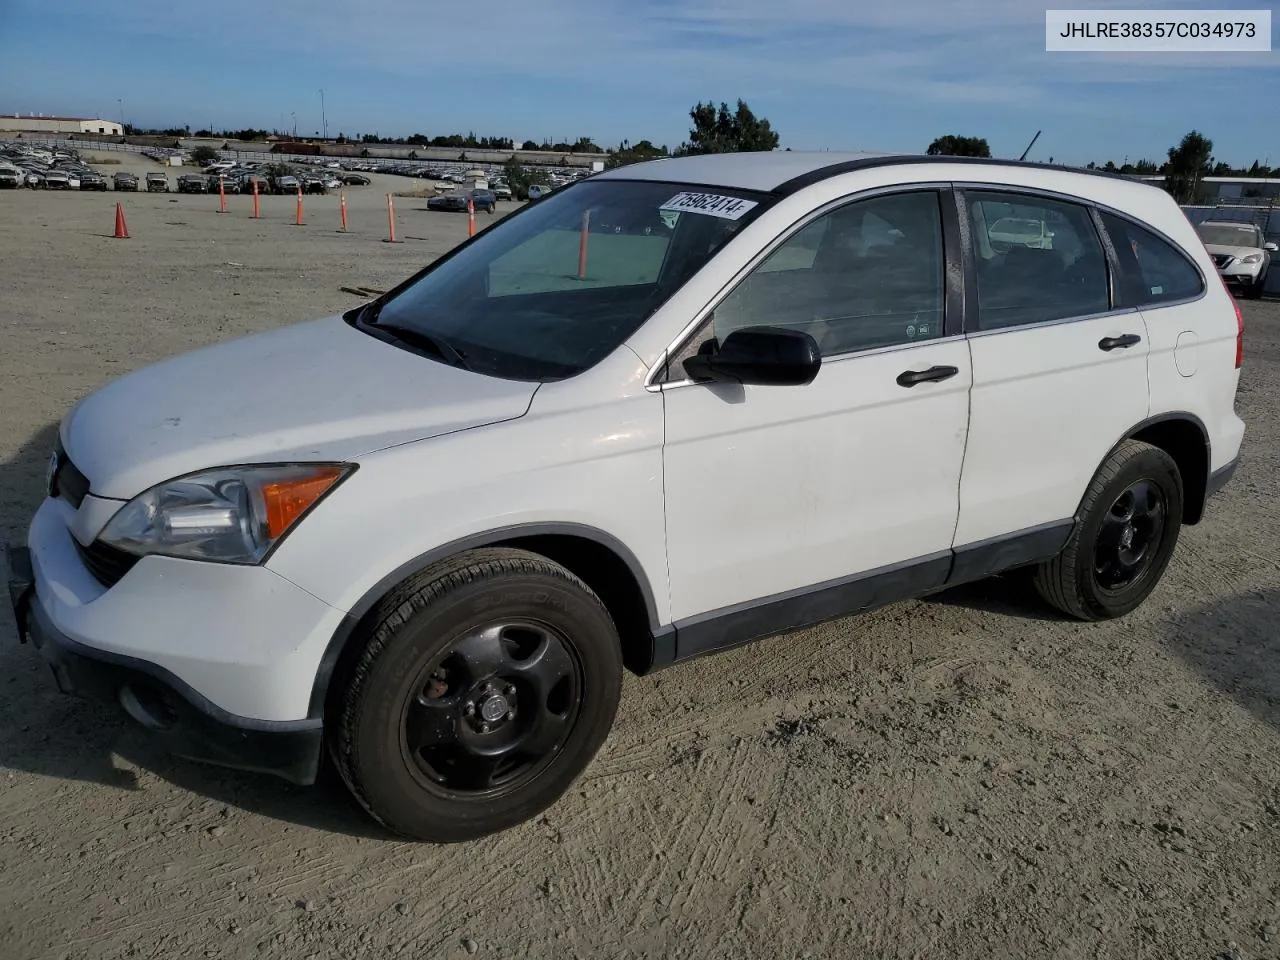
(713, 205)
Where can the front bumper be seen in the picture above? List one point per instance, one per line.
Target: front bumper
(187, 723)
(1241, 274)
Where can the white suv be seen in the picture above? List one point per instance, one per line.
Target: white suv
(1240, 252)
(667, 410)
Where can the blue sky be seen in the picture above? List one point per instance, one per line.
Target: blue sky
(829, 74)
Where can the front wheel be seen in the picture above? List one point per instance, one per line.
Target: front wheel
(1254, 290)
(1125, 534)
(484, 687)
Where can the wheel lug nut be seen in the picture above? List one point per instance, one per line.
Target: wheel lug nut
(484, 728)
(510, 691)
(468, 708)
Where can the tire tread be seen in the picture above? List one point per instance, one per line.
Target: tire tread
(404, 601)
(1056, 580)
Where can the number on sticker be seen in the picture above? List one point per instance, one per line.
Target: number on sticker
(712, 204)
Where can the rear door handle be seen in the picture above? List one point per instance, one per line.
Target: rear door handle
(1111, 343)
(909, 378)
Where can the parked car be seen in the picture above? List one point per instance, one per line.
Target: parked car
(456, 200)
(125, 181)
(11, 178)
(502, 192)
(192, 183)
(355, 180)
(781, 413)
(285, 184)
(313, 185)
(264, 184)
(1240, 252)
(57, 179)
(537, 191)
(230, 183)
(91, 180)
(157, 182)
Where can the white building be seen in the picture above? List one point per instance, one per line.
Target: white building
(34, 123)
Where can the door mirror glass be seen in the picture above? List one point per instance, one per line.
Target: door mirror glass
(767, 356)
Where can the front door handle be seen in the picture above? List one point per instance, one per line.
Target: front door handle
(1111, 343)
(909, 378)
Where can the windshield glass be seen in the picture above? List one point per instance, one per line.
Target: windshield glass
(1230, 235)
(559, 286)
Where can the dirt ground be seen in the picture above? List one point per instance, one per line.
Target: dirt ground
(966, 777)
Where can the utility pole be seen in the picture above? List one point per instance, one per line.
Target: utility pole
(323, 123)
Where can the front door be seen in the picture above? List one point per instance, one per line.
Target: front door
(788, 505)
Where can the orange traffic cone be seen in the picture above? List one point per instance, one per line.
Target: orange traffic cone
(298, 221)
(122, 231)
(471, 217)
(342, 208)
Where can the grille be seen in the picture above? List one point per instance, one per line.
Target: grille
(107, 564)
(1222, 259)
(67, 480)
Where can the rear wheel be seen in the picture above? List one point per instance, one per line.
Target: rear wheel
(483, 689)
(1125, 534)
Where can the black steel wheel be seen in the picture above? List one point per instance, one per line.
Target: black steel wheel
(481, 690)
(494, 710)
(1129, 538)
(1125, 533)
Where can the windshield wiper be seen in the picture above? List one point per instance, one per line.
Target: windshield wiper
(439, 346)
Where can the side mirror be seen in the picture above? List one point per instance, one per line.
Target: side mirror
(768, 356)
(1270, 246)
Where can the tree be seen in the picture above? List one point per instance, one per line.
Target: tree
(633, 153)
(719, 131)
(1189, 163)
(204, 154)
(952, 145)
(520, 178)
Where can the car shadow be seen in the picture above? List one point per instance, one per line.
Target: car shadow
(1010, 595)
(1235, 645)
(47, 733)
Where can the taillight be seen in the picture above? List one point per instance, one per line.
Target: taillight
(1239, 324)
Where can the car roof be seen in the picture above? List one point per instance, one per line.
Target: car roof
(784, 171)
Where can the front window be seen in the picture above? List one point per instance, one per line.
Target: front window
(558, 287)
(1230, 235)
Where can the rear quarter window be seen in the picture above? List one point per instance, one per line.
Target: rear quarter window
(1152, 269)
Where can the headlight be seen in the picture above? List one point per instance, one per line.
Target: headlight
(233, 515)
(1252, 258)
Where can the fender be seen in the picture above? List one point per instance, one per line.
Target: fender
(346, 629)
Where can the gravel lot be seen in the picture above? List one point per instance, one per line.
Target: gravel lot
(966, 777)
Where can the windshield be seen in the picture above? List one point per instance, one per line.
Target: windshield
(554, 289)
(1230, 235)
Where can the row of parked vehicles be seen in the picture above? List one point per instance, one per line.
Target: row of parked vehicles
(22, 165)
(233, 177)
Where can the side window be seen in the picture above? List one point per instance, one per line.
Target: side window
(866, 275)
(1036, 260)
(1152, 270)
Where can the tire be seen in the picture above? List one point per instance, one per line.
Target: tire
(1084, 580)
(1254, 290)
(554, 657)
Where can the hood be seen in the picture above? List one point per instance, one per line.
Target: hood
(319, 390)
(1219, 249)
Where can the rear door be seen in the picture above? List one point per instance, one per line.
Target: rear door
(1059, 373)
